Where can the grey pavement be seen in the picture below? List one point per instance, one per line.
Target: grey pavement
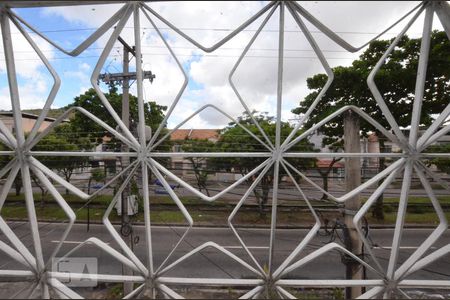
(213, 264)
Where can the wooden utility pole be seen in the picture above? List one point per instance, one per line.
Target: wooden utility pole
(353, 180)
(124, 78)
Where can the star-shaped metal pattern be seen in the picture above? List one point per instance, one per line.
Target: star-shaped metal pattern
(268, 281)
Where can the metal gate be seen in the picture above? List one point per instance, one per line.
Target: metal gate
(272, 279)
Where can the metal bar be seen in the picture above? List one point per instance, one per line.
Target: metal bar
(110, 182)
(57, 178)
(182, 208)
(105, 247)
(425, 284)
(198, 112)
(285, 293)
(205, 246)
(421, 76)
(91, 116)
(236, 209)
(307, 239)
(101, 61)
(142, 139)
(355, 109)
(277, 153)
(365, 208)
(171, 293)
(86, 43)
(210, 281)
(95, 277)
(32, 219)
(373, 88)
(8, 135)
(83, 154)
(252, 293)
(116, 236)
(55, 87)
(12, 253)
(324, 64)
(222, 41)
(394, 166)
(443, 12)
(336, 38)
(62, 289)
(201, 195)
(211, 154)
(8, 183)
(12, 77)
(18, 245)
(325, 249)
(135, 292)
(180, 92)
(329, 283)
(269, 144)
(8, 167)
(429, 137)
(52, 3)
(403, 203)
(402, 271)
(427, 260)
(22, 275)
(64, 206)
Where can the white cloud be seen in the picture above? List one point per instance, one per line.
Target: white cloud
(33, 78)
(82, 74)
(256, 78)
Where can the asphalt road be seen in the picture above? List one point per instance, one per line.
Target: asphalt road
(211, 263)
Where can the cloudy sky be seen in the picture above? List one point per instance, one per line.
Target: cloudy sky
(206, 22)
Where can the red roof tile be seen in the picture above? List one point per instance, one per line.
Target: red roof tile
(199, 134)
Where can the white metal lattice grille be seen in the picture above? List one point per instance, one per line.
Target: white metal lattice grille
(149, 276)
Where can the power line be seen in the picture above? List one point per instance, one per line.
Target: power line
(193, 56)
(212, 29)
(193, 48)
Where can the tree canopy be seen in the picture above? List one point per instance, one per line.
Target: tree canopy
(395, 80)
(154, 113)
(234, 138)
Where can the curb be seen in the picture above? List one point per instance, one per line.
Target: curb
(259, 226)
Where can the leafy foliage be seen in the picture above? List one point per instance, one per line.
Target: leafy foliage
(396, 82)
(200, 165)
(235, 139)
(63, 139)
(154, 113)
(442, 164)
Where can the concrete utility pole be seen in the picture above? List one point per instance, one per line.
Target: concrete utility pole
(124, 78)
(127, 286)
(353, 180)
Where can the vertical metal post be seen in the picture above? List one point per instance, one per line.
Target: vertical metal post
(353, 180)
(277, 153)
(142, 138)
(20, 136)
(127, 286)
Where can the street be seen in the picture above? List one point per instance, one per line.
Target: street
(213, 264)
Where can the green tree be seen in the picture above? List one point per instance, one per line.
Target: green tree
(442, 164)
(200, 165)
(396, 82)
(154, 113)
(64, 138)
(97, 175)
(234, 138)
(4, 159)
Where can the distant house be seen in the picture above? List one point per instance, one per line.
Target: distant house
(181, 166)
(28, 121)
